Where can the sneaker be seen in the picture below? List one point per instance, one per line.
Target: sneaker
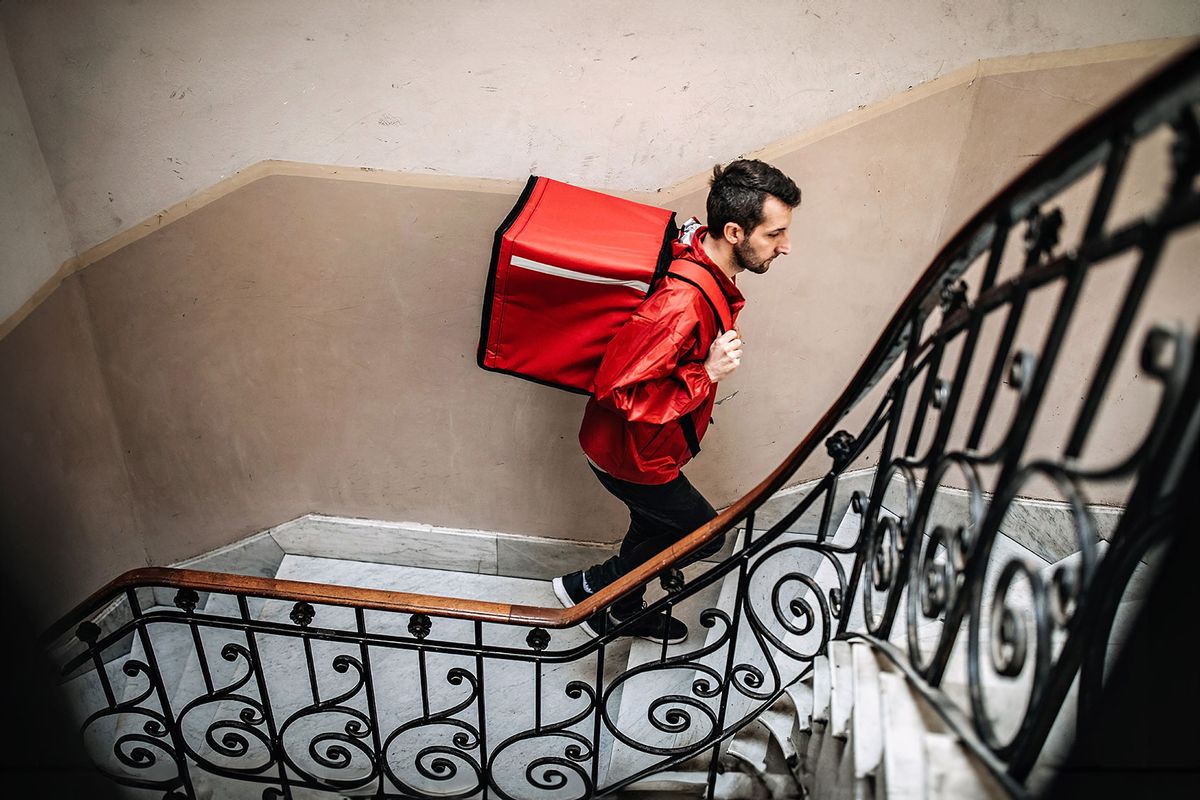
(569, 589)
(654, 628)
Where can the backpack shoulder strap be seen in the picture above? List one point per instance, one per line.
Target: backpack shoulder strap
(703, 280)
(706, 284)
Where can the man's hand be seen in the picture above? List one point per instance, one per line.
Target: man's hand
(724, 356)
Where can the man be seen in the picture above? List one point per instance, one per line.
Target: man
(657, 384)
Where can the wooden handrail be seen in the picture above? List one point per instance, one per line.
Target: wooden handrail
(1086, 137)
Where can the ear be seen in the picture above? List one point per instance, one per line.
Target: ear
(733, 232)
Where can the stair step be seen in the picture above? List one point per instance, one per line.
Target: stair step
(841, 689)
(951, 774)
(729, 786)
(750, 746)
(822, 690)
(902, 768)
(778, 722)
(801, 696)
(866, 715)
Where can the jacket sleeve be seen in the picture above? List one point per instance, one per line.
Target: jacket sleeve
(641, 375)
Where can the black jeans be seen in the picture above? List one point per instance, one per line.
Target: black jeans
(659, 516)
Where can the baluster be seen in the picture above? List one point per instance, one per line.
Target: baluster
(727, 676)
(187, 599)
(1041, 233)
(827, 509)
(302, 615)
(261, 681)
(483, 752)
(598, 715)
(89, 634)
(537, 695)
(360, 624)
(927, 394)
(895, 416)
(155, 676)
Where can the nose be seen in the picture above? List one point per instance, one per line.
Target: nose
(784, 246)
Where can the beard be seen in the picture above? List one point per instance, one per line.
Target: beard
(744, 257)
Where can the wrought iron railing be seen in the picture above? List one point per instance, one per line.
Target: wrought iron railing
(302, 688)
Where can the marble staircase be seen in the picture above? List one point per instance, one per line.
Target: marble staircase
(847, 724)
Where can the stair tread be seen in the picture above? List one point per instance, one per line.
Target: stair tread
(841, 684)
(865, 716)
(902, 768)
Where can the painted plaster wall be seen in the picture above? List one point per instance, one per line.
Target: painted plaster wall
(138, 105)
(34, 241)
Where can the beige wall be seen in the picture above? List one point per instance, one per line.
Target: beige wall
(305, 342)
(34, 241)
(68, 520)
(139, 105)
(308, 343)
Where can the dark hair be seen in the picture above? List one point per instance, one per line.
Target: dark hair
(737, 192)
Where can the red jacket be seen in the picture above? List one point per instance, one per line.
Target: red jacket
(652, 374)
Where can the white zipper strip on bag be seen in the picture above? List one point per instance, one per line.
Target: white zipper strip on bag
(537, 266)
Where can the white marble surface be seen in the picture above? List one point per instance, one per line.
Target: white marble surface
(788, 498)
(258, 555)
(526, 557)
(418, 545)
(403, 544)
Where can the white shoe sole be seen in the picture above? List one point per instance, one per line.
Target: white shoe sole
(560, 592)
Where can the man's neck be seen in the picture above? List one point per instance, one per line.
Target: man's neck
(721, 254)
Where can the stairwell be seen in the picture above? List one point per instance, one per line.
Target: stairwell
(853, 641)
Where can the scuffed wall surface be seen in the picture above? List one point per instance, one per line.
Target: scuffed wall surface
(140, 104)
(33, 233)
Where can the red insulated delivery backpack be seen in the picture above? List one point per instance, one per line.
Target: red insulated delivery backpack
(569, 267)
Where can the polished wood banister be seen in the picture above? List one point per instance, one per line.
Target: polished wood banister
(921, 299)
